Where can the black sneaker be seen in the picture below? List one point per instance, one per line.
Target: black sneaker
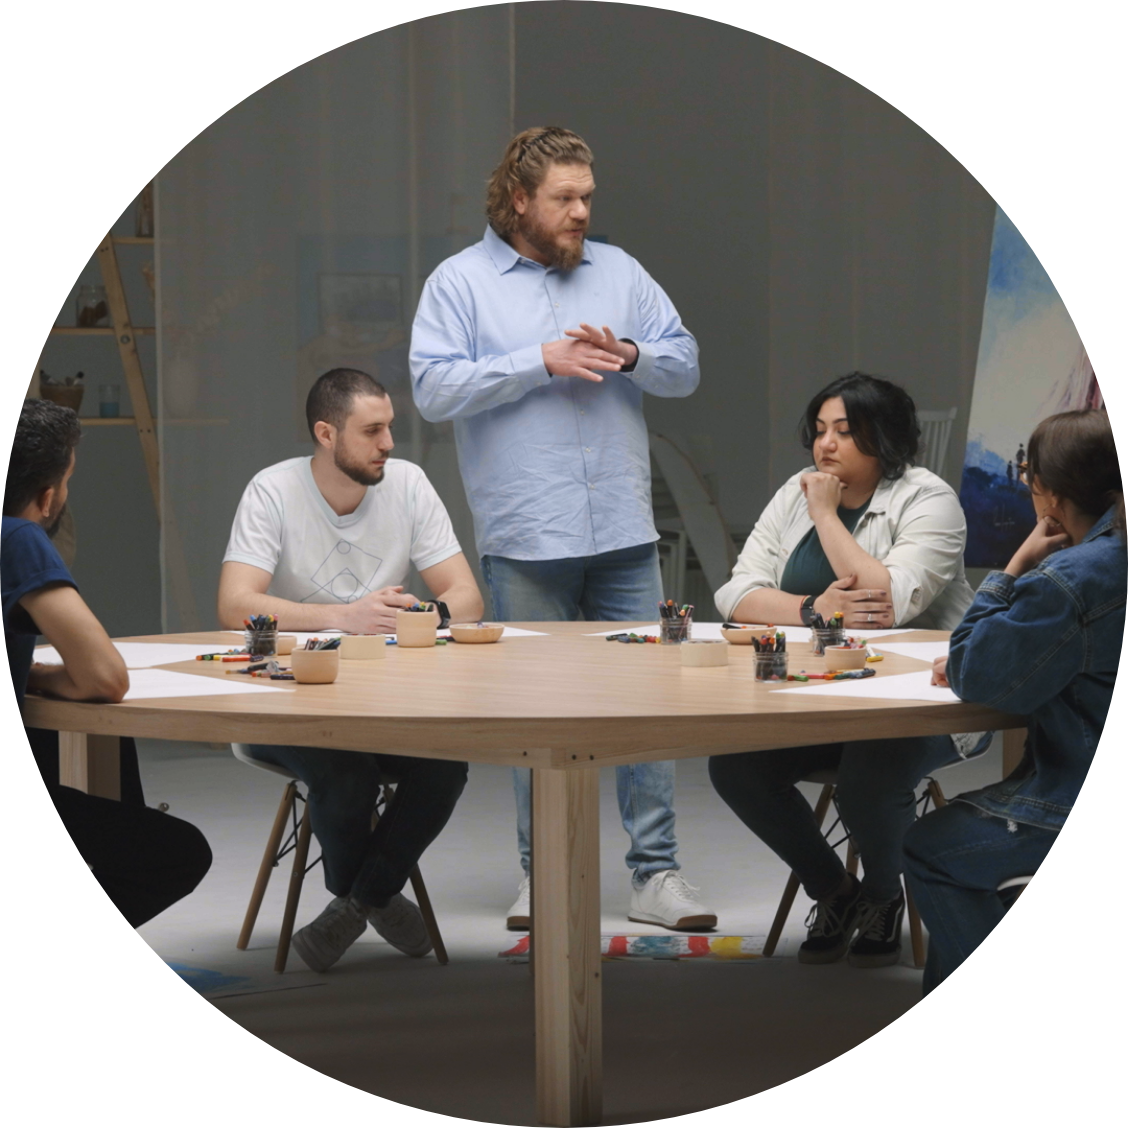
(878, 943)
(830, 925)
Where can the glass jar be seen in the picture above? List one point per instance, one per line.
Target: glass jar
(771, 667)
(676, 630)
(90, 308)
(824, 637)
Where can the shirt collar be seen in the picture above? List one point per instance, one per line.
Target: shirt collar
(1104, 525)
(505, 257)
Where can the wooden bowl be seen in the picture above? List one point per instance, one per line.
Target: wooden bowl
(741, 637)
(285, 644)
(315, 667)
(473, 632)
(364, 646)
(845, 658)
(416, 628)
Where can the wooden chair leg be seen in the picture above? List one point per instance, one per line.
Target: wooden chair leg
(937, 793)
(269, 861)
(791, 889)
(297, 876)
(424, 902)
(851, 858)
(916, 933)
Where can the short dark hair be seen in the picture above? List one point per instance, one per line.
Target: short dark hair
(46, 436)
(881, 416)
(1074, 455)
(330, 400)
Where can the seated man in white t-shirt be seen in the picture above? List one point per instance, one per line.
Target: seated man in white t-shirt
(322, 543)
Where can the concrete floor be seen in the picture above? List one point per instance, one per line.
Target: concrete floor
(679, 1036)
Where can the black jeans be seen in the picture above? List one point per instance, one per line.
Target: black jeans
(877, 781)
(370, 865)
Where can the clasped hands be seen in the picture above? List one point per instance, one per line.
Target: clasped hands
(861, 608)
(375, 613)
(583, 350)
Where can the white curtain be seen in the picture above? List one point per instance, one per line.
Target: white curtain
(294, 235)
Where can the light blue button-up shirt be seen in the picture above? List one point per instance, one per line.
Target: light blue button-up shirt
(554, 467)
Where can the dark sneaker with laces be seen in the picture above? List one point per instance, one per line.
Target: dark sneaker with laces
(878, 943)
(830, 925)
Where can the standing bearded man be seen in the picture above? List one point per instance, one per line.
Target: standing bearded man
(539, 346)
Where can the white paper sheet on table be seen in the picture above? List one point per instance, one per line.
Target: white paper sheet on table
(140, 655)
(923, 651)
(795, 635)
(898, 687)
(168, 683)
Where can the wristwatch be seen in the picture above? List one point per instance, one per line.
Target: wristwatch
(807, 610)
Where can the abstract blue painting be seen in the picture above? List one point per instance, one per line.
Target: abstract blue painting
(1031, 364)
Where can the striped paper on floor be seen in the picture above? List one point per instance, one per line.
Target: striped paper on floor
(674, 947)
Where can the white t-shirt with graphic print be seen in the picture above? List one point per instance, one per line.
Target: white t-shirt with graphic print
(285, 527)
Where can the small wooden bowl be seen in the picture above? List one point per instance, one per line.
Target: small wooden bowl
(416, 628)
(472, 632)
(845, 658)
(364, 646)
(315, 667)
(704, 652)
(741, 637)
(285, 644)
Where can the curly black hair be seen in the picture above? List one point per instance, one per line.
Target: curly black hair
(46, 436)
(881, 416)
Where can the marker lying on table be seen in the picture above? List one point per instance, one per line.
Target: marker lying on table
(841, 675)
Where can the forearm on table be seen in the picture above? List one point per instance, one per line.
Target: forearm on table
(769, 605)
(848, 558)
(56, 681)
(464, 602)
(236, 607)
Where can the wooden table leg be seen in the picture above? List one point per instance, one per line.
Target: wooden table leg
(90, 763)
(568, 984)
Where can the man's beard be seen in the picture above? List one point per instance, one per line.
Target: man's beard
(358, 473)
(537, 235)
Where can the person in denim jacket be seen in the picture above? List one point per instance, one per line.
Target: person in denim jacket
(1042, 639)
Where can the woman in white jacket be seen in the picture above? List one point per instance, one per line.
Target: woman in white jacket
(863, 532)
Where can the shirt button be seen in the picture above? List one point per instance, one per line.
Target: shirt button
(582, 412)
(591, 487)
(587, 450)
(556, 305)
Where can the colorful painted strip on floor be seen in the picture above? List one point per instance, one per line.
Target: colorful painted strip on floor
(680, 947)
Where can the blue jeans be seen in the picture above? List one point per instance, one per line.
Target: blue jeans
(877, 782)
(955, 860)
(370, 865)
(610, 587)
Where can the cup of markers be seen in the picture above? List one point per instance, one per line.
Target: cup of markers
(260, 635)
(771, 656)
(827, 632)
(675, 624)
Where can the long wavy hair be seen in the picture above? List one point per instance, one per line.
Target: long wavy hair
(527, 160)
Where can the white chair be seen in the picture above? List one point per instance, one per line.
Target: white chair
(298, 842)
(935, 434)
(700, 517)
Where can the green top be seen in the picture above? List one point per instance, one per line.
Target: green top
(808, 572)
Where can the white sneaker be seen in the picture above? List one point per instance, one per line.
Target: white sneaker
(517, 919)
(326, 939)
(401, 923)
(669, 900)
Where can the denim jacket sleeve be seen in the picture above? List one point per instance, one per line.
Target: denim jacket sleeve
(1020, 644)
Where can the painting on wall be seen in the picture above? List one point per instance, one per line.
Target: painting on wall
(1031, 364)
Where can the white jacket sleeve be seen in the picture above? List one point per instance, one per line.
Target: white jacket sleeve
(759, 564)
(928, 546)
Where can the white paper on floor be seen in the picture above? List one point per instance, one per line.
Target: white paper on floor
(898, 687)
(168, 683)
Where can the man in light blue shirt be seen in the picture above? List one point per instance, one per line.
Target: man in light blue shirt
(539, 345)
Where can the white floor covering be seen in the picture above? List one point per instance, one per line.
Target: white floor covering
(679, 1036)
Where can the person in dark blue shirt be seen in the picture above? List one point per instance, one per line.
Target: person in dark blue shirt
(145, 860)
(1042, 639)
